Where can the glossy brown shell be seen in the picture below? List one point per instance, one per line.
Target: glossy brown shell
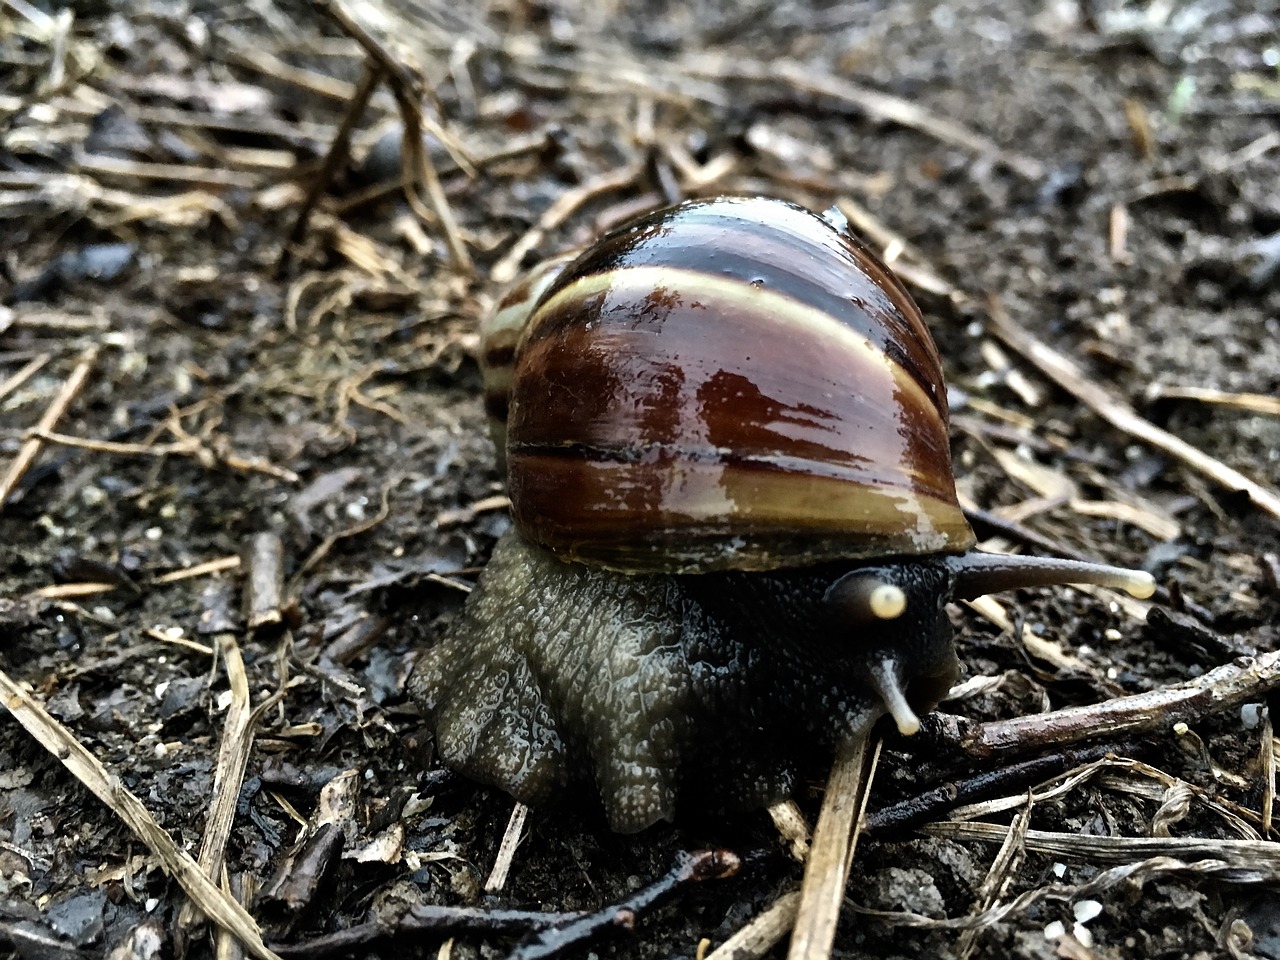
(730, 384)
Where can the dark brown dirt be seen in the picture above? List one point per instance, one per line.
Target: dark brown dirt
(352, 369)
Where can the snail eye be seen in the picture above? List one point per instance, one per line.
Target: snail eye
(865, 596)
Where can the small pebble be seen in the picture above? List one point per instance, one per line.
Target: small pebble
(1086, 910)
(1251, 716)
(911, 889)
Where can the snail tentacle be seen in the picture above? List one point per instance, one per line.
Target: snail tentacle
(885, 682)
(975, 574)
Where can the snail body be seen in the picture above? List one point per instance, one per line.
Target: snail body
(736, 528)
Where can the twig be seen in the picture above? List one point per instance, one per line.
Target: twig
(507, 849)
(420, 919)
(1225, 688)
(1253, 402)
(187, 445)
(172, 172)
(792, 828)
(178, 641)
(199, 570)
(264, 587)
(1267, 763)
(505, 270)
(245, 51)
(322, 551)
(408, 94)
(233, 757)
(65, 591)
(931, 804)
(28, 371)
(806, 78)
(338, 149)
(690, 868)
(759, 936)
(31, 448)
(834, 840)
(216, 904)
(1116, 411)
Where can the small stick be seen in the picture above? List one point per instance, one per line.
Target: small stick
(505, 270)
(218, 177)
(67, 591)
(178, 641)
(408, 98)
(791, 826)
(187, 445)
(31, 448)
(1245, 680)
(26, 373)
(834, 840)
(204, 569)
(1118, 233)
(322, 551)
(760, 935)
(931, 804)
(1253, 402)
(689, 868)
(507, 850)
(1268, 764)
(881, 106)
(1116, 411)
(338, 149)
(422, 919)
(264, 589)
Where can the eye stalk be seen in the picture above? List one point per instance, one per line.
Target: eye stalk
(975, 574)
(884, 680)
(865, 596)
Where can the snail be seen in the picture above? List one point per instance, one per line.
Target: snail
(736, 528)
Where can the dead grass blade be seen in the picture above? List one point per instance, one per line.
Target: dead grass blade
(1113, 408)
(764, 932)
(408, 90)
(215, 903)
(233, 758)
(32, 446)
(834, 840)
(511, 838)
(1257, 861)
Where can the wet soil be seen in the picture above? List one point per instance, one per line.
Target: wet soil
(1123, 209)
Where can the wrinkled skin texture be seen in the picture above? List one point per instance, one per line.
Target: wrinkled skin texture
(718, 689)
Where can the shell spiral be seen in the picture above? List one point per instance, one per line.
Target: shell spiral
(731, 383)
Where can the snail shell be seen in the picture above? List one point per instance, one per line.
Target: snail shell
(724, 384)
